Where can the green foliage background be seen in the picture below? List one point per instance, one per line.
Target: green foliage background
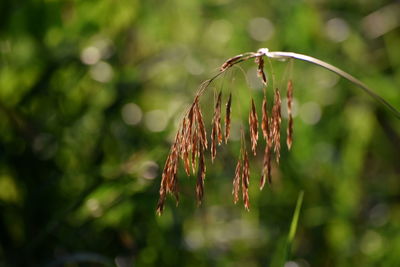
(90, 96)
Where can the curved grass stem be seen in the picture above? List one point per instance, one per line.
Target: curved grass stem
(364, 87)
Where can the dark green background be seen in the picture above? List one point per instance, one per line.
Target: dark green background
(90, 96)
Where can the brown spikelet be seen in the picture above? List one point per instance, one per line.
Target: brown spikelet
(262, 180)
(276, 124)
(289, 131)
(195, 148)
(201, 174)
(163, 187)
(169, 179)
(218, 123)
(185, 145)
(172, 181)
(253, 122)
(169, 169)
(246, 181)
(266, 172)
(260, 69)
(228, 118)
(186, 162)
(236, 181)
(200, 123)
(264, 122)
(230, 62)
(189, 135)
(216, 133)
(160, 204)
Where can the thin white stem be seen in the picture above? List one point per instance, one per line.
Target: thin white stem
(286, 55)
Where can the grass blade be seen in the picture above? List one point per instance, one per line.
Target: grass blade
(295, 220)
(283, 251)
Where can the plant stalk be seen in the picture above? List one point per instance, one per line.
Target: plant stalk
(364, 87)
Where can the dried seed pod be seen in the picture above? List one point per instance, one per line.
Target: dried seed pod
(163, 187)
(228, 118)
(186, 162)
(216, 133)
(169, 173)
(160, 204)
(190, 118)
(200, 178)
(185, 145)
(230, 62)
(260, 69)
(253, 121)
(169, 180)
(200, 124)
(266, 172)
(172, 181)
(195, 149)
(264, 121)
(236, 181)
(246, 181)
(276, 125)
(289, 136)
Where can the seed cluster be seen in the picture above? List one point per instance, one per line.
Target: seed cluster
(216, 134)
(228, 118)
(190, 142)
(253, 123)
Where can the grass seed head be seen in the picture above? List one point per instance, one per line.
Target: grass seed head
(253, 123)
(190, 143)
(276, 124)
(228, 118)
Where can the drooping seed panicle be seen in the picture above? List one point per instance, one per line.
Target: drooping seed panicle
(230, 62)
(246, 181)
(190, 143)
(276, 124)
(228, 118)
(200, 123)
(264, 119)
(236, 181)
(253, 123)
(216, 133)
(260, 69)
(200, 178)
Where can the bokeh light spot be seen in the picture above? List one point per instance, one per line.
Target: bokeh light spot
(149, 170)
(94, 207)
(220, 31)
(310, 113)
(102, 72)
(337, 30)
(193, 66)
(131, 114)
(90, 55)
(156, 120)
(371, 242)
(295, 108)
(261, 29)
(291, 264)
